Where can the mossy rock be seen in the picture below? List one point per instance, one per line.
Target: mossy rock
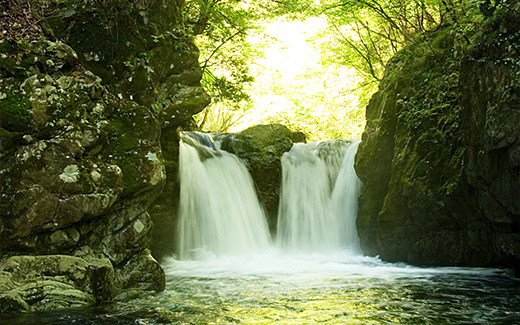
(261, 148)
(53, 281)
(142, 272)
(135, 147)
(15, 111)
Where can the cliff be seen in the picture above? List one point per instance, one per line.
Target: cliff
(440, 155)
(91, 94)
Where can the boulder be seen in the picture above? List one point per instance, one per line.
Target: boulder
(261, 148)
(53, 281)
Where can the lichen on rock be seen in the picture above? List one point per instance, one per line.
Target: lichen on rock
(81, 113)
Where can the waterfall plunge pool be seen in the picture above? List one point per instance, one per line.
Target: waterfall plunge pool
(229, 270)
(335, 288)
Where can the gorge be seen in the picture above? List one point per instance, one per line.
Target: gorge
(111, 211)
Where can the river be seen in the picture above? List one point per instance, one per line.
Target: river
(229, 270)
(339, 288)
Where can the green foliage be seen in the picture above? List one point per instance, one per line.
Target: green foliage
(221, 29)
(363, 35)
(369, 32)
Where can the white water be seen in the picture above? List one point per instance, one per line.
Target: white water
(318, 199)
(219, 213)
(317, 273)
(344, 200)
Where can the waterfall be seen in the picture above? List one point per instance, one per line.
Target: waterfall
(318, 198)
(344, 200)
(219, 212)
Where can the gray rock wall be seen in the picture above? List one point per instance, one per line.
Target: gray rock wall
(439, 156)
(89, 105)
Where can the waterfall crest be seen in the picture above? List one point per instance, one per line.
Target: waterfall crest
(318, 198)
(219, 212)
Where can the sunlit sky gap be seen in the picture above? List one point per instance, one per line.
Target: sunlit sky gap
(292, 75)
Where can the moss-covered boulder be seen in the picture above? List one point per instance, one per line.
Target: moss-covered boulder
(53, 281)
(441, 183)
(261, 148)
(88, 97)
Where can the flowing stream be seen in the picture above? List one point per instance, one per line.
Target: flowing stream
(229, 271)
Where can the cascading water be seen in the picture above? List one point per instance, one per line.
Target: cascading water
(219, 212)
(344, 200)
(250, 283)
(318, 198)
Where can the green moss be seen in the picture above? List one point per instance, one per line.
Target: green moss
(443, 39)
(8, 66)
(453, 172)
(428, 141)
(134, 133)
(131, 175)
(123, 145)
(14, 111)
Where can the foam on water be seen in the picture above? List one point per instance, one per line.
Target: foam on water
(277, 264)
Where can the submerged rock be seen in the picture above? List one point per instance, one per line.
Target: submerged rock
(441, 181)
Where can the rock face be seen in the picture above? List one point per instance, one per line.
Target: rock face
(90, 100)
(439, 156)
(261, 148)
(54, 281)
(490, 122)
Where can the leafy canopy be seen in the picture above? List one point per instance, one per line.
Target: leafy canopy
(358, 39)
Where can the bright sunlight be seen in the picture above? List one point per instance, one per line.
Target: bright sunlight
(296, 85)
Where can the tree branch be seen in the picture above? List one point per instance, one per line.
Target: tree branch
(204, 66)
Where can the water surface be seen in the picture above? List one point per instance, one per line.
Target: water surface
(307, 289)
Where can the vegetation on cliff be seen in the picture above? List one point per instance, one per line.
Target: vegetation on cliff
(430, 152)
(87, 90)
(351, 43)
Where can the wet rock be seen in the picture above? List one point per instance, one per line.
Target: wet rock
(50, 282)
(141, 272)
(438, 157)
(261, 148)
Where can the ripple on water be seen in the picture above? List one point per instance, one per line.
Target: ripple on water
(333, 289)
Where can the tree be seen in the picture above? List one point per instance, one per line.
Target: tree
(363, 34)
(221, 28)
